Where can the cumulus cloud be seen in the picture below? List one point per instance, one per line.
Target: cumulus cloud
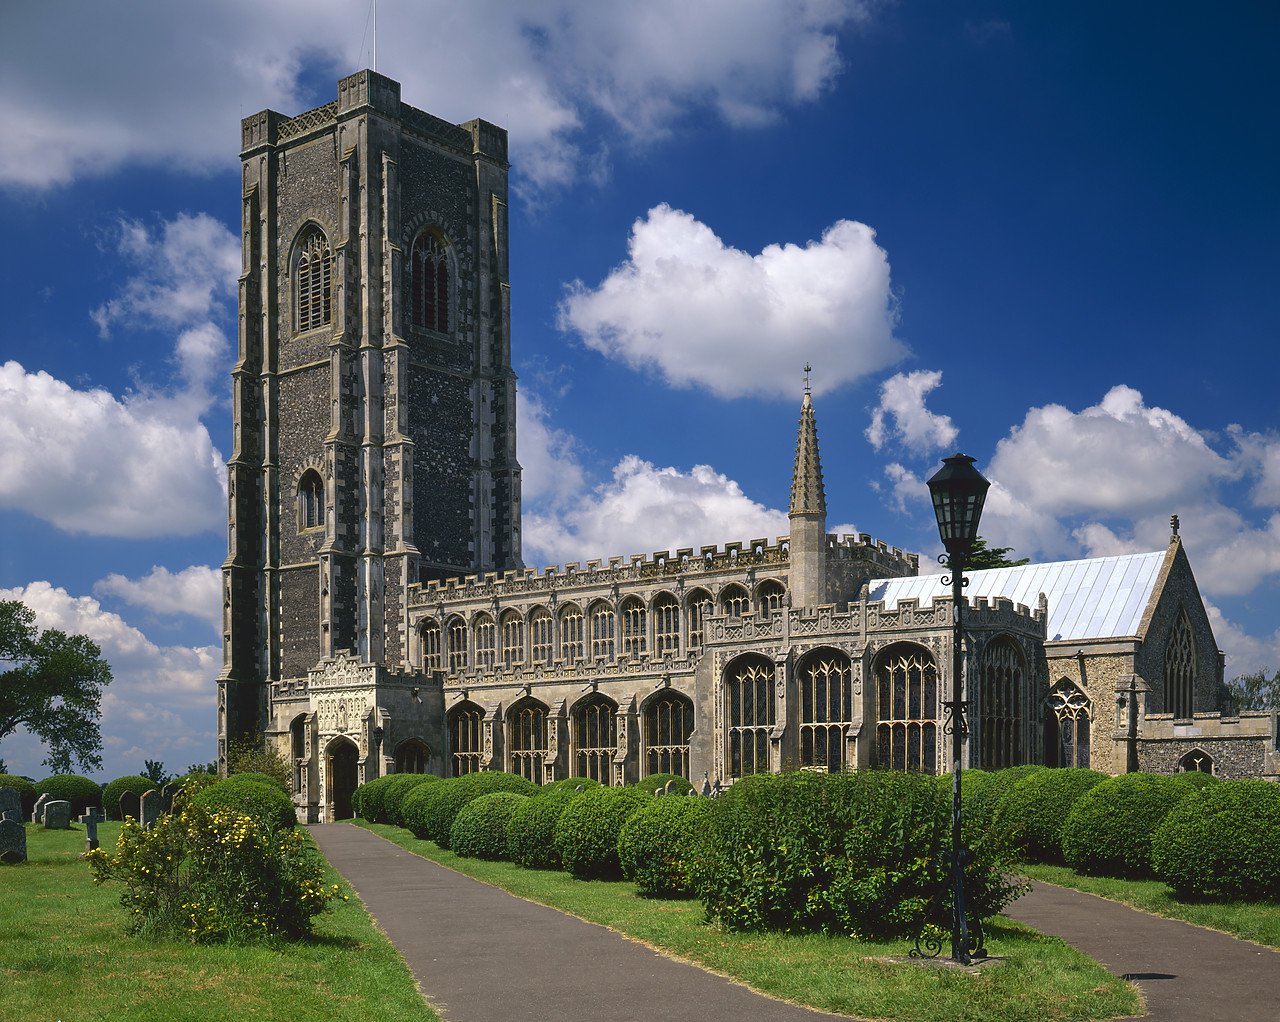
(551, 470)
(114, 85)
(702, 313)
(195, 591)
(913, 425)
(1245, 653)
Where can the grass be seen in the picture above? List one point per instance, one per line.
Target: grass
(1043, 978)
(65, 954)
(1258, 921)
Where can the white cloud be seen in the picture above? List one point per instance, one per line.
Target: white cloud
(702, 313)
(195, 591)
(906, 488)
(902, 400)
(1245, 653)
(551, 472)
(116, 84)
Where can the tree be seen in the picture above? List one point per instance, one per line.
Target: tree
(254, 755)
(1255, 691)
(154, 772)
(52, 688)
(980, 557)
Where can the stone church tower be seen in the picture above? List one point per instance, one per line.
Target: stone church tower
(374, 406)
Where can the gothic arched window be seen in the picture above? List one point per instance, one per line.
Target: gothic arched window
(512, 639)
(466, 737)
(668, 723)
(769, 596)
(602, 623)
(457, 644)
(826, 706)
(573, 646)
(1180, 669)
(634, 627)
(666, 623)
(699, 606)
(907, 732)
(486, 633)
(313, 271)
(1067, 731)
(748, 687)
(595, 738)
(527, 726)
(540, 635)
(1000, 708)
(429, 282)
(431, 645)
(412, 756)
(734, 601)
(310, 501)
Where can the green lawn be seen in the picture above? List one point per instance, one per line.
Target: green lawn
(1042, 979)
(64, 954)
(1258, 921)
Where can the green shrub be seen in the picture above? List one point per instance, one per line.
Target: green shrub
(366, 800)
(656, 843)
(569, 784)
(479, 830)
(431, 810)
(973, 784)
(261, 778)
(190, 785)
(587, 832)
(654, 782)
(1198, 778)
(79, 791)
(1108, 831)
(266, 804)
(135, 783)
(256, 755)
(25, 789)
(215, 876)
(531, 832)
(397, 789)
(1223, 841)
(1036, 808)
(986, 798)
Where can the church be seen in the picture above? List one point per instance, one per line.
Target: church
(378, 616)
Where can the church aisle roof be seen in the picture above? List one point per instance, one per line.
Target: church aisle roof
(1093, 598)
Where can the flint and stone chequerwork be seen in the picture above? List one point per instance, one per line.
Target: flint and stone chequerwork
(377, 615)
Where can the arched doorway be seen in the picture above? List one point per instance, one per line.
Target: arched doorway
(342, 776)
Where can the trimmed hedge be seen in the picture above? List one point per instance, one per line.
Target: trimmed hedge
(480, 829)
(655, 845)
(653, 782)
(1036, 808)
(366, 800)
(25, 789)
(1223, 841)
(587, 833)
(398, 788)
(135, 783)
(1108, 831)
(531, 831)
(79, 791)
(432, 809)
(973, 786)
(569, 784)
(1198, 778)
(986, 799)
(263, 779)
(265, 803)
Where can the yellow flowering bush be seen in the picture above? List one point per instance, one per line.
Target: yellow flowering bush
(215, 876)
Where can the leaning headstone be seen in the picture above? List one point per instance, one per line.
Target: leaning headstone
(37, 814)
(10, 801)
(130, 805)
(166, 796)
(13, 841)
(57, 815)
(150, 809)
(91, 819)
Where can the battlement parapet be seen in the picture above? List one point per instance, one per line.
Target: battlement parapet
(861, 546)
(980, 613)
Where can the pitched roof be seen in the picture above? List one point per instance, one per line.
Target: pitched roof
(1093, 598)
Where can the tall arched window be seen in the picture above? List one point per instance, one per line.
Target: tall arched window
(457, 644)
(527, 724)
(540, 635)
(486, 633)
(1000, 713)
(907, 732)
(769, 596)
(666, 623)
(1067, 731)
(595, 738)
(1180, 669)
(699, 606)
(412, 756)
(573, 645)
(314, 275)
(602, 618)
(634, 627)
(466, 737)
(512, 639)
(749, 710)
(826, 707)
(310, 500)
(734, 601)
(431, 660)
(668, 723)
(429, 282)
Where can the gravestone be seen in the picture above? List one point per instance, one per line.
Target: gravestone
(9, 814)
(91, 819)
(13, 841)
(10, 801)
(37, 814)
(673, 787)
(166, 796)
(130, 806)
(57, 815)
(150, 809)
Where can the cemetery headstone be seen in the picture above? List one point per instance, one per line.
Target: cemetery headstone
(10, 801)
(130, 806)
(166, 796)
(9, 814)
(150, 809)
(37, 814)
(91, 819)
(57, 815)
(673, 787)
(13, 841)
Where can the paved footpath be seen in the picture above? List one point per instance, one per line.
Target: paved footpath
(508, 959)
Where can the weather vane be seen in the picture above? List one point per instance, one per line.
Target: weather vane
(807, 370)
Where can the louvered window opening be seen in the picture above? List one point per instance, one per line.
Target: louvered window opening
(315, 270)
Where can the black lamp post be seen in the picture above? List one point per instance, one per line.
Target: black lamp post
(958, 491)
(377, 747)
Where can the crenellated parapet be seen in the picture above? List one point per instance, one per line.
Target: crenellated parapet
(863, 547)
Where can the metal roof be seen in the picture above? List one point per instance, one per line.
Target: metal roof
(1094, 598)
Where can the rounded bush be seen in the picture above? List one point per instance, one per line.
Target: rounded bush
(1108, 831)
(587, 832)
(1036, 808)
(25, 789)
(973, 784)
(479, 830)
(79, 791)
(264, 803)
(431, 811)
(1223, 841)
(654, 782)
(275, 782)
(531, 832)
(366, 800)
(1198, 778)
(986, 798)
(135, 783)
(398, 788)
(569, 784)
(655, 845)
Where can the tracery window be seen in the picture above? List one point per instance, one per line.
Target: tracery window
(540, 635)
(457, 644)
(668, 723)
(1067, 743)
(602, 622)
(734, 601)
(634, 637)
(1180, 669)
(429, 282)
(466, 737)
(527, 723)
(310, 500)
(314, 275)
(512, 639)
(573, 646)
(699, 606)
(1196, 760)
(1000, 713)
(907, 732)
(595, 739)
(412, 756)
(749, 710)
(431, 645)
(486, 640)
(826, 707)
(769, 596)
(666, 623)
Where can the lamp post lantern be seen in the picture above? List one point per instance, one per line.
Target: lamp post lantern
(958, 491)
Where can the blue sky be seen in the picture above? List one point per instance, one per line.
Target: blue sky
(1042, 235)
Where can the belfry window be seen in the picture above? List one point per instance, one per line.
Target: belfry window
(749, 709)
(314, 276)
(1000, 709)
(826, 707)
(429, 282)
(907, 732)
(595, 739)
(1180, 669)
(310, 501)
